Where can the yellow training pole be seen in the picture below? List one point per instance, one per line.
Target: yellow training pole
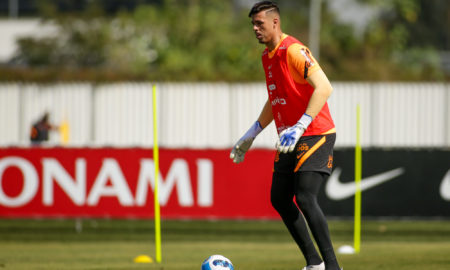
(156, 197)
(358, 175)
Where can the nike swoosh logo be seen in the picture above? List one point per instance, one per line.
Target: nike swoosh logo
(445, 187)
(337, 190)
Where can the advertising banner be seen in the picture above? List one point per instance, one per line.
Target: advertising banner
(111, 182)
(118, 183)
(395, 183)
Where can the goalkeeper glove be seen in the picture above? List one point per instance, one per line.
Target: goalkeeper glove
(290, 136)
(244, 143)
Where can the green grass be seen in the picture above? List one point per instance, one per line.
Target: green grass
(259, 245)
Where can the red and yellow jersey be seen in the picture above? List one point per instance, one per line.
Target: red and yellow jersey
(286, 69)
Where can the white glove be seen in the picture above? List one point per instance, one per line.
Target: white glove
(244, 143)
(290, 136)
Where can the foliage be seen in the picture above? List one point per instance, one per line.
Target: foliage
(398, 44)
(395, 46)
(212, 40)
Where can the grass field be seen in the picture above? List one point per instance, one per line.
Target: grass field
(251, 245)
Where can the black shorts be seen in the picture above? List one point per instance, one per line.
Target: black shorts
(312, 153)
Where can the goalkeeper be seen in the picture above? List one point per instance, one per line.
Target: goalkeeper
(298, 90)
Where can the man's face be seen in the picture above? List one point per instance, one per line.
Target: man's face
(264, 26)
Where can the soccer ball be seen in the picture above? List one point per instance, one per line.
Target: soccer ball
(217, 262)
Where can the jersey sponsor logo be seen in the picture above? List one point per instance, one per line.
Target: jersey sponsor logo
(308, 61)
(302, 147)
(279, 118)
(272, 87)
(336, 190)
(278, 100)
(330, 162)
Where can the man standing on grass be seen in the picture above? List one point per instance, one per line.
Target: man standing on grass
(298, 90)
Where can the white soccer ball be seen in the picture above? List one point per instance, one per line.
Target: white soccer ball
(217, 262)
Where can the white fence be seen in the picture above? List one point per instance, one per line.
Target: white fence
(215, 115)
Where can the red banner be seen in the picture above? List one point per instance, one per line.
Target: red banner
(110, 182)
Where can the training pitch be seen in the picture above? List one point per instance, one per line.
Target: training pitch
(251, 245)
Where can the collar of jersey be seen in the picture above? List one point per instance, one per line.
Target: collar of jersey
(272, 53)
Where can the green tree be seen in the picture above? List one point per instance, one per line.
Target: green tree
(212, 40)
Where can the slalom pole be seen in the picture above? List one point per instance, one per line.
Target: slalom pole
(156, 197)
(358, 175)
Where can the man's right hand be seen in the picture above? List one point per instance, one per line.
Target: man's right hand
(241, 147)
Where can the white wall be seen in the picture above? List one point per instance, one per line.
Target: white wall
(122, 115)
(392, 114)
(10, 114)
(215, 115)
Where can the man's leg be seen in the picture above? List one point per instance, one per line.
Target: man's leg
(282, 195)
(307, 186)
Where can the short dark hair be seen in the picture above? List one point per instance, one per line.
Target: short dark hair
(264, 5)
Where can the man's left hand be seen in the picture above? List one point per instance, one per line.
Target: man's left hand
(290, 136)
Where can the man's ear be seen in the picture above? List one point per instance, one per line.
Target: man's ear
(276, 21)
